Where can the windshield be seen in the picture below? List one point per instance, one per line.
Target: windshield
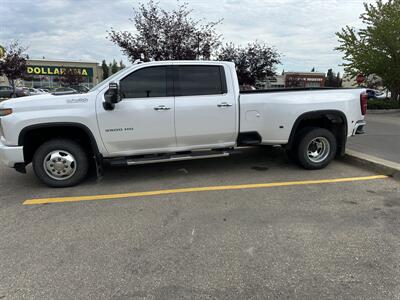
(107, 79)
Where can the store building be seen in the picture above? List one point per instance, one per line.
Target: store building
(272, 82)
(293, 80)
(304, 79)
(44, 73)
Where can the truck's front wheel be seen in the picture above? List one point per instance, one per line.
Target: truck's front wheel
(60, 163)
(316, 148)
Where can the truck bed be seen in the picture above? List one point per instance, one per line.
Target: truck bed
(261, 91)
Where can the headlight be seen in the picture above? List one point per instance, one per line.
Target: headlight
(5, 112)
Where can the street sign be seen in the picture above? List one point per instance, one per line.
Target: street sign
(360, 78)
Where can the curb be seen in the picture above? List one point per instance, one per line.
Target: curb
(382, 111)
(373, 163)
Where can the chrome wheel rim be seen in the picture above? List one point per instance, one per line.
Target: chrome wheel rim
(60, 165)
(318, 149)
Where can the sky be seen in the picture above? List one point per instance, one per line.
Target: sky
(303, 31)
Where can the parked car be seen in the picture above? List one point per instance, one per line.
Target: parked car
(65, 91)
(375, 94)
(173, 111)
(22, 91)
(35, 91)
(80, 88)
(7, 91)
(246, 87)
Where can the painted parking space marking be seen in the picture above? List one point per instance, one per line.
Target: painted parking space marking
(198, 189)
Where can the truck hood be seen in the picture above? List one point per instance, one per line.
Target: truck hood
(44, 100)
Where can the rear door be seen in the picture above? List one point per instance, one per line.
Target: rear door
(205, 107)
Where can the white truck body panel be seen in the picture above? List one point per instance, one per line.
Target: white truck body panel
(192, 122)
(209, 123)
(273, 115)
(149, 129)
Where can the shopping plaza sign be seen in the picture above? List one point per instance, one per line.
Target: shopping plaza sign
(55, 70)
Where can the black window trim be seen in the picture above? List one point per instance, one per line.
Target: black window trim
(172, 79)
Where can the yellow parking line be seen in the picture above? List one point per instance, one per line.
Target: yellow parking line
(197, 189)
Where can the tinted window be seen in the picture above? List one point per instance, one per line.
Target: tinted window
(147, 82)
(200, 80)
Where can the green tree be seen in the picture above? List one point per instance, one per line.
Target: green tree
(72, 77)
(253, 63)
(114, 67)
(106, 71)
(375, 49)
(2, 51)
(330, 77)
(159, 34)
(339, 80)
(121, 65)
(13, 63)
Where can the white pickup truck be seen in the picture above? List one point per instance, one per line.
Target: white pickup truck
(170, 111)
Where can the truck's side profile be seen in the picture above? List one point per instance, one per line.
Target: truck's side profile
(168, 111)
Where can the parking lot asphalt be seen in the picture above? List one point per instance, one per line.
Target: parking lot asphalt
(381, 138)
(322, 240)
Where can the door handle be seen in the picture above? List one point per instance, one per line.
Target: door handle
(224, 104)
(161, 107)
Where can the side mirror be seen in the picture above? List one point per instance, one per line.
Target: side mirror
(112, 96)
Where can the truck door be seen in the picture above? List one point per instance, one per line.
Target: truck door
(143, 122)
(205, 109)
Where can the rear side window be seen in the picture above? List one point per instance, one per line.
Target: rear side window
(145, 83)
(199, 80)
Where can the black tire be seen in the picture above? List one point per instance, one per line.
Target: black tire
(325, 139)
(80, 165)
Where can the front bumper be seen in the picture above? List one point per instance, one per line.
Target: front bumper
(10, 155)
(359, 127)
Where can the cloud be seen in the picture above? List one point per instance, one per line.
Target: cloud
(302, 30)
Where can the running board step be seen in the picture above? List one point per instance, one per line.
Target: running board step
(169, 158)
(250, 142)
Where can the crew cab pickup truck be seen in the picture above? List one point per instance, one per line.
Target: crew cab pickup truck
(169, 111)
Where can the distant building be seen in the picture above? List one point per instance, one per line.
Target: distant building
(304, 79)
(44, 73)
(273, 82)
(349, 81)
(294, 79)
